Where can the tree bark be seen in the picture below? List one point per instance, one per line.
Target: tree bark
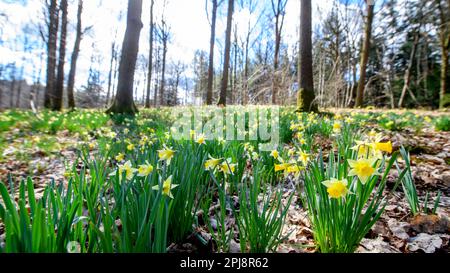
(407, 77)
(13, 85)
(279, 21)
(365, 54)
(59, 88)
(162, 85)
(111, 68)
(445, 44)
(123, 102)
(74, 58)
(19, 88)
(306, 96)
(150, 57)
(226, 63)
(53, 15)
(209, 91)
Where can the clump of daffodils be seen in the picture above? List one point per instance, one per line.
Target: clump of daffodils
(337, 191)
(297, 162)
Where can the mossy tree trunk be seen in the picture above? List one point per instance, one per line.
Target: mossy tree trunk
(306, 96)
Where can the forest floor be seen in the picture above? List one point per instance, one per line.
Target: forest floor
(29, 148)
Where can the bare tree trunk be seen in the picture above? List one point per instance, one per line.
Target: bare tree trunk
(246, 70)
(158, 60)
(226, 63)
(123, 102)
(19, 89)
(306, 96)
(365, 54)
(51, 52)
(445, 44)
(233, 94)
(150, 57)
(74, 58)
(116, 71)
(1, 90)
(279, 13)
(111, 68)
(59, 87)
(407, 77)
(209, 91)
(162, 85)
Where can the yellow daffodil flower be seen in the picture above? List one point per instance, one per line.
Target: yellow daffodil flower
(130, 147)
(337, 127)
(227, 168)
(282, 167)
(304, 157)
(166, 154)
(128, 169)
(363, 168)
(212, 163)
(145, 169)
(167, 187)
(201, 139)
(275, 154)
(120, 157)
(384, 146)
(336, 188)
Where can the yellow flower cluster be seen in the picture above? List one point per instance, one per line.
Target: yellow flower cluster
(224, 166)
(292, 166)
(369, 152)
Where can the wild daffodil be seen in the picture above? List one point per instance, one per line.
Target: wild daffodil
(227, 168)
(166, 154)
(337, 127)
(126, 168)
(275, 154)
(130, 147)
(304, 157)
(167, 187)
(201, 139)
(282, 167)
(212, 163)
(384, 147)
(120, 157)
(145, 169)
(336, 188)
(363, 168)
